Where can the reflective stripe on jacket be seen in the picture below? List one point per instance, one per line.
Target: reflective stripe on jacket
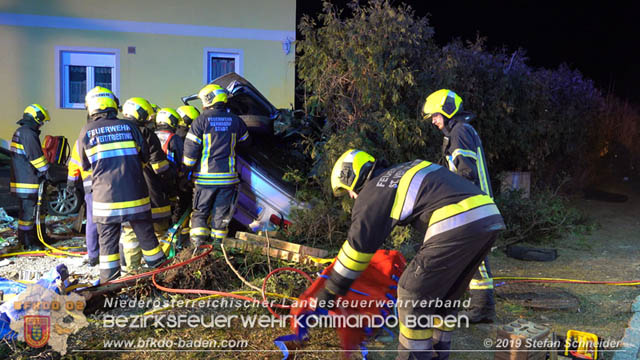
(425, 195)
(210, 147)
(114, 150)
(465, 155)
(27, 160)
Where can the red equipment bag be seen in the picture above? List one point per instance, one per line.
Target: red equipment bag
(370, 294)
(56, 149)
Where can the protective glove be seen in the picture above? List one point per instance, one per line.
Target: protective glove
(71, 186)
(326, 299)
(185, 185)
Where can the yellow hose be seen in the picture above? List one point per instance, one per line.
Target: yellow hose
(586, 282)
(38, 227)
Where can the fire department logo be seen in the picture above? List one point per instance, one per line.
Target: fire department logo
(36, 330)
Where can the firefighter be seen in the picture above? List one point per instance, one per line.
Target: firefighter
(114, 150)
(29, 167)
(460, 224)
(462, 150)
(158, 175)
(211, 144)
(75, 172)
(187, 114)
(173, 147)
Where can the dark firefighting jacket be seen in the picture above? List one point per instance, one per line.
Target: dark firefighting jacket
(463, 151)
(114, 151)
(172, 146)
(210, 147)
(28, 162)
(424, 195)
(158, 176)
(182, 131)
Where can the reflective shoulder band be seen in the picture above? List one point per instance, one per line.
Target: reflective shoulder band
(408, 187)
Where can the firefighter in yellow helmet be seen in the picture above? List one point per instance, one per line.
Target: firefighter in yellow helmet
(167, 121)
(114, 150)
(158, 175)
(460, 224)
(210, 154)
(28, 168)
(187, 114)
(463, 152)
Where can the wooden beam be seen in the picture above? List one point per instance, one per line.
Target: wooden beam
(284, 245)
(273, 252)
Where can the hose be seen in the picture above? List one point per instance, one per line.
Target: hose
(566, 281)
(39, 230)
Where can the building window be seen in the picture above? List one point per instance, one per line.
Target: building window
(82, 69)
(218, 62)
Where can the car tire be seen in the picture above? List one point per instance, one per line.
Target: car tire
(60, 202)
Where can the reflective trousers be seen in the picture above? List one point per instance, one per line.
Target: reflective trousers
(109, 238)
(219, 202)
(438, 275)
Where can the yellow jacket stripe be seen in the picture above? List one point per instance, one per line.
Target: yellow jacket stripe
(194, 138)
(482, 172)
(40, 163)
(188, 161)
(204, 163)
(111, 146)
(350, 263)
(464, 212)
(460, 207)
(121, 208)
(120, 205)
(160, 166)
(408, 188)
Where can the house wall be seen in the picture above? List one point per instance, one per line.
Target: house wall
(169, 37)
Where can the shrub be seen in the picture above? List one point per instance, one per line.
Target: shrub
(367, 74)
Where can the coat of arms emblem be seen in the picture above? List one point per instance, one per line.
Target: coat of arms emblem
(36, 330)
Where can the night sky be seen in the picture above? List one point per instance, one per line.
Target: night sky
(599, 39)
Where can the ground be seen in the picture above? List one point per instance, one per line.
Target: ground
(609, 253)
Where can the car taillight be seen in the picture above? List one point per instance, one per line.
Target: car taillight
(278, 221)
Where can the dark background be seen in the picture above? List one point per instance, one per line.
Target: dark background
(599, 39)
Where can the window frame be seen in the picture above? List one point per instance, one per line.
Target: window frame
(208, 53)
(62, 75)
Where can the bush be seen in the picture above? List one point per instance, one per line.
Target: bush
(542, 217)
(367, 74)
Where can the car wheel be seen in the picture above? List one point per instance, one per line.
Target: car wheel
(62, 202)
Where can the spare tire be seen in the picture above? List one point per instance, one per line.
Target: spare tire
(258, 124)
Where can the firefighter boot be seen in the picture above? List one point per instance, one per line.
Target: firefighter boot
(30, 241)
(441, 344)
(482, 308)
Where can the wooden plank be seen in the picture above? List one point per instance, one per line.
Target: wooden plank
(284, 245)
(273, 252)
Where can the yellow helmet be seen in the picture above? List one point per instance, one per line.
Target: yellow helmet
(137, 109)
(152, 115)
(443, 101)
(167, 116)
(212, 94)
(350, 171)
(100, 99)
(37, 112)
(187, 114)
